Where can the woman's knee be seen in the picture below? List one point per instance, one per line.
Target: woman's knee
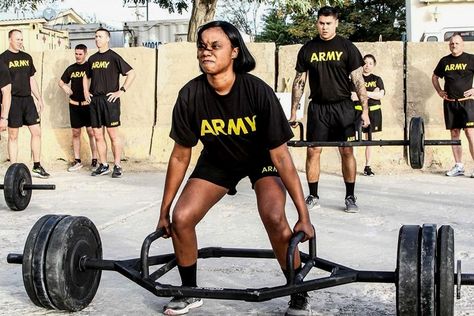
(182, 220)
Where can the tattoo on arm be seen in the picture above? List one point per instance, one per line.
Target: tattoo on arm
(359, 84)
(298, 89)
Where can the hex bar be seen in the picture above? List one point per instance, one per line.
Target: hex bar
(466, 279)
(34, 187)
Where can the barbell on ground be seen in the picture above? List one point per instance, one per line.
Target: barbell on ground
(62, 265)
(17, 187)
(416, 142)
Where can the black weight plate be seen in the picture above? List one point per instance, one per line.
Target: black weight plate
(445, 258)
(16, 176)
(33, 259)
(416, 147)
(427, 270)
(407, 270)
(70, 288)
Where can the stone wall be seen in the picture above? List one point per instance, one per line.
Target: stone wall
(147, 105)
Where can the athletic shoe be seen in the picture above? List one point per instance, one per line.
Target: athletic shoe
(312, 202)
(472, 174)
(75, 165)
(351, 206)
(181, 305)
(117, 173)
(101, 170)
(298, 305)
(368, 172)
(40, 172)
(94, 164)
(457, 170)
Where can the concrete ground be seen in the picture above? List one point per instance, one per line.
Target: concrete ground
(126, 210)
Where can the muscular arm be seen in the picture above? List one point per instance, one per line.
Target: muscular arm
(297, 92)
(6, 101)
(436, 85)
(359, 84)
(85, 86)
(36, 93)
(65, 87)
(281, 158)
(177, 166)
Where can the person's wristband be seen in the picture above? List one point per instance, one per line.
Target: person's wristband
(123, 89)
(3, 118)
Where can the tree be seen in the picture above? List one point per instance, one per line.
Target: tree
(243, 16)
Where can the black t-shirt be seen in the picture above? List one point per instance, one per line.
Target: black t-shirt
(74, 74)
(330, 64)
(457, 73)
(21, 68)
(236, 128)
(371, 83)
(104, 70)
(4, 78)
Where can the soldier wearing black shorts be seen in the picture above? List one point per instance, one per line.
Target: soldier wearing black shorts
(79, 109)
(5, 96)
(105, 68)
(457, 69)
(375, 92)
(244, 131)
(329, 60)
(23, 110)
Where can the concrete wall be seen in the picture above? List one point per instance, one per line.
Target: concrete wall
(147, 105)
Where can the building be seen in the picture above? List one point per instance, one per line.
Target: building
(153, 33)
(437, 20)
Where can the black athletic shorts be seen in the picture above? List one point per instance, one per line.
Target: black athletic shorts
(331, 122)
(458, 114)
(80, 115)
(104, 113)
(23, 112)
(375, 116)
(229, 178)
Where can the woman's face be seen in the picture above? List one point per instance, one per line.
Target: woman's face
(215, 52)
(369, 65)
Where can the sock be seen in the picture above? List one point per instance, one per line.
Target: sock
(460, 164)
(349, 188)
(297, 270)
(36, 165)
(94, 160)
(77, 160)
(188, 275)
(313, 189)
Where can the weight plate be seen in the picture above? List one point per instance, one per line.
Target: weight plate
(408, 275)
(68, 287)
(416, 147)
(427, 270)
(33, 260)
(445, 260)
(16, 198)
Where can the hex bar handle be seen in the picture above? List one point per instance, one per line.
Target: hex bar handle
(290, 255)
(146, 249)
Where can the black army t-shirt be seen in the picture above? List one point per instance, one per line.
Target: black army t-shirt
(457, 73)
(4, 78)
(235, 129)
(329, 64)
(74, 74)
(371, 83)
(104, 70)
(21, 68)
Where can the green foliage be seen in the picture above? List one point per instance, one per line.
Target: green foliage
(172, 5)
(20, 4)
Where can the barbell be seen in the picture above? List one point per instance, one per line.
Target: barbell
(62, 265)
(416, 142)
(17, 187)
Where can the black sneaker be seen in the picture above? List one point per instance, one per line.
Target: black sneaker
(94, 164)
(368, 172)
(40, 172)
(101, 170)
(351, 206)
(298, 305)
(181, 305)
(117, 173)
